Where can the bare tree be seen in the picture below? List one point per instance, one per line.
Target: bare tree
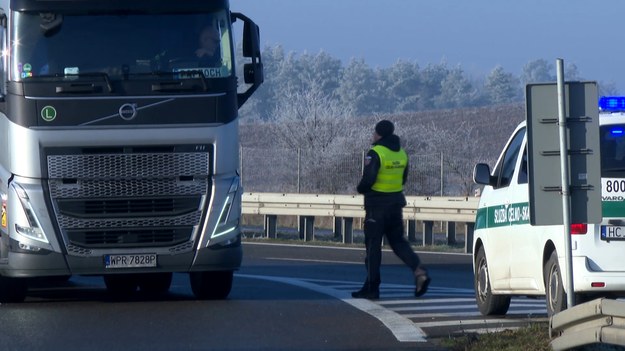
(326, 135)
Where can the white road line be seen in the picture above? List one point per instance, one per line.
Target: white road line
(450, 307)
(309, 260)
(467, 322)
(402, 302)
(402, 328)
(467, 314)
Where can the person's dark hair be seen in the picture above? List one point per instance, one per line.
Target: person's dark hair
(384, 128)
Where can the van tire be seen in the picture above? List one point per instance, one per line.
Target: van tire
(487, 303)
(555, 297)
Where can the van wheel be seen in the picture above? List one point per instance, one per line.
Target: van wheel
(13, 289)
(211, 285)
(554, 290)
(487, 303)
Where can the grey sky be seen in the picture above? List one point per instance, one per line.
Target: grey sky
(477, 34)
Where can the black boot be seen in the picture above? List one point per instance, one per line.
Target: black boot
(364, 293)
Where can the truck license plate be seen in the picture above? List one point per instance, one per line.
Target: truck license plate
(610, 232)
(130, 261)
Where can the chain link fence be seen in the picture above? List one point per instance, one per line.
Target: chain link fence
(307, 171)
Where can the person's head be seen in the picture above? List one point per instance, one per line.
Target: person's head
(383, 129)
(209, 39)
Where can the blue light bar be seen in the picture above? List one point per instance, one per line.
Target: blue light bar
(617, 132)
(612, 103)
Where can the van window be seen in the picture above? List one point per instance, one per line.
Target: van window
(523, 168)
(505, 169)
(612, 150)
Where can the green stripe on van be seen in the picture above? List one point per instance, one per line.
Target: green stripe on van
(613, 208)
(502, 215)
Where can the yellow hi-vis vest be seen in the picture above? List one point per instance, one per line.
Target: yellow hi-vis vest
(391, 174)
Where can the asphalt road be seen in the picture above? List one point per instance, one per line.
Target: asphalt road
(283, 298)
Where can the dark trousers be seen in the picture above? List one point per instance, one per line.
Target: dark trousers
(381, 221)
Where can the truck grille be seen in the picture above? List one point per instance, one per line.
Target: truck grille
(121, 197)
(130, 237)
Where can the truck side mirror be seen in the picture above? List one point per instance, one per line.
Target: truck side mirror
(253, 71)
(481, 174)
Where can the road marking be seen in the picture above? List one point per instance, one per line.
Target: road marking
(309, 260)
(468, 314)
(348, 248)
(402, 328)
(465, 322)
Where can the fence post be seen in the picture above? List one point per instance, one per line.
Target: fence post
(338, 227)
(442, 174)
(468, 238)
(428, 235)
(241, 164)
(451, 233)
(270, 226)
(411, 228)
(348, 230)
(307, 228)
(299, 170)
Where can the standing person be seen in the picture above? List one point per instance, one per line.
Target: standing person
(383, 178)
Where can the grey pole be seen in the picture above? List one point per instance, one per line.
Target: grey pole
(299, 170)
(442, 174)
(566, 196)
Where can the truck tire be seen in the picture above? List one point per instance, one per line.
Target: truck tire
(121, 284)
(211, 285)
(155, 283)
(554, 290)
(487, 303)
(13, 289)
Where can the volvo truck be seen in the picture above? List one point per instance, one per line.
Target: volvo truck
(119, 142)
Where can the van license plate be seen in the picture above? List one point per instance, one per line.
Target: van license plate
(130, 261)
(610, 232)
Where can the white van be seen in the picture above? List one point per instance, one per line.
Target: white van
(512, 257)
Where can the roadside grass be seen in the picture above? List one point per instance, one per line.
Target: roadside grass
(534, 337)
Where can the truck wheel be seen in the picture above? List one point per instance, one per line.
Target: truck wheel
(155, 283)
(554, 290)
(121, 284)
(211, 285)
(13, 289)
(487, 303)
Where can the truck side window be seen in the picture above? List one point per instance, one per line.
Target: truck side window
(505, 170)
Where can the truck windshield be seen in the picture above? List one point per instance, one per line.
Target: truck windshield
(612, 150)
(121, 46)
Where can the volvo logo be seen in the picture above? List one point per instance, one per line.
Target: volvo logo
(128, 111)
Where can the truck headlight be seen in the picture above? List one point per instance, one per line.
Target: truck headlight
(221, 228)
(26, 222)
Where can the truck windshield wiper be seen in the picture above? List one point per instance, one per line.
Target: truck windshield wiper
(77, 87)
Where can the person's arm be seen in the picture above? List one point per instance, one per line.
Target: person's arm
(369, 173)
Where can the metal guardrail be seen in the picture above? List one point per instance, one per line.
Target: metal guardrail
(601, 321)
(344, 208)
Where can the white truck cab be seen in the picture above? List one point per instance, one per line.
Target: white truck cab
(512, 257)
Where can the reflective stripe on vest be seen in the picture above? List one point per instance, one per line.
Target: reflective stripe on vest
(390, 177)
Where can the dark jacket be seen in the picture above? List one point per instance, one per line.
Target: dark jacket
(370, 173)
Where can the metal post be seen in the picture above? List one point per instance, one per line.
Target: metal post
(241, 164)
(299, 170)
(442, 174)
(566, 196)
